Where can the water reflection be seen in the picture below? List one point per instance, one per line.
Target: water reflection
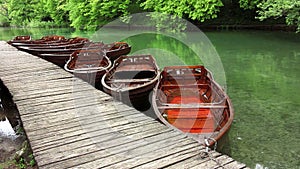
(8, 115)
(6, 129)
(263, 82)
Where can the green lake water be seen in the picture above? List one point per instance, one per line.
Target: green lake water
(262, 71)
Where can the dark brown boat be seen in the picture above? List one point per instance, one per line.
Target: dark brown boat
(187, 99)
(89, 65)
(52, 44)
(60, 56)
(22, 38)
(131, 79)
(27, 40)
(115, 50)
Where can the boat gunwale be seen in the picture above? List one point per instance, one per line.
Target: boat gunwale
(86, 70)
(215, 135)
(128, 89)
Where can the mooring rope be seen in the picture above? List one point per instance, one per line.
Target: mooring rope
(208, 152)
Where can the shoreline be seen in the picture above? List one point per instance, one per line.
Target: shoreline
(208, 27)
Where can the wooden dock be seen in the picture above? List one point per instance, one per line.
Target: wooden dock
(70, 124)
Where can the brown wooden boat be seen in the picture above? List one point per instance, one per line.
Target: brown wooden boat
(115, 50)
(187, 99)
(131, 79)
(22, 38)
(28, 41)
(89, 65)
(60, 56)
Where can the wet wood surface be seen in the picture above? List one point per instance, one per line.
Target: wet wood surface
(70, 124)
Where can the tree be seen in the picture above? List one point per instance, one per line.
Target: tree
(193, 9)
(290, 9)
(21, 13)
(89, 14)
(57, 11)
(249, 4)
(4, 8)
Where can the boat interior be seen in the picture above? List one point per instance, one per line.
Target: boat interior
(190, 101)
(88, 59)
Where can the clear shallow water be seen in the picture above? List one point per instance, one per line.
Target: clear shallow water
(263, 76)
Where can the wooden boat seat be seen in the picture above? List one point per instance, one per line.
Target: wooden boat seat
(135, 67)
(191, 106)
(172, 86)
(129, 80)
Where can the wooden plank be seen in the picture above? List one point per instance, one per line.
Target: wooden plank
(215, 162)
(84, 113)
(67, 105)
(146, 154)
(62, 97)
(94, 130)
(27, 69)
(110, 140)
(191, 162)
(118, 131)
(49, 93)
(40, 76)
(55, 83)
(234, 164)
(5, 47)
(95, 158)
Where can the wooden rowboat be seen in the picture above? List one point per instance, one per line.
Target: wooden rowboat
(115, 50)
(60, 56)
(27, 40)
(131, 79)
(22, 38)
(187, 99)
(51, 43)
(89, 65)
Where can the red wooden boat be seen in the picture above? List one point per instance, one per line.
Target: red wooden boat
(187, 99)
(89, 65)
(131, 79)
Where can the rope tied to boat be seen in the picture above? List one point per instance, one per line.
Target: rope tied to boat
(208, 151)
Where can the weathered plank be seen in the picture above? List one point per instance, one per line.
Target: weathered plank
(193, 161)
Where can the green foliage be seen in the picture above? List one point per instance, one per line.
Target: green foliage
(32, 161)
(249, 4)
(4, 12)
(57, 11)
(80, 14)
(21, 163)
(193, 9)
(290, 9)
(21, 13)
(89, 14)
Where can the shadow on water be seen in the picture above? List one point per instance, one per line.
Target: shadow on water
(14, 147)
(9, 118)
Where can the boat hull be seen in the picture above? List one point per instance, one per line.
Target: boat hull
(187, 99)
(88, 65)
(131, 80)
